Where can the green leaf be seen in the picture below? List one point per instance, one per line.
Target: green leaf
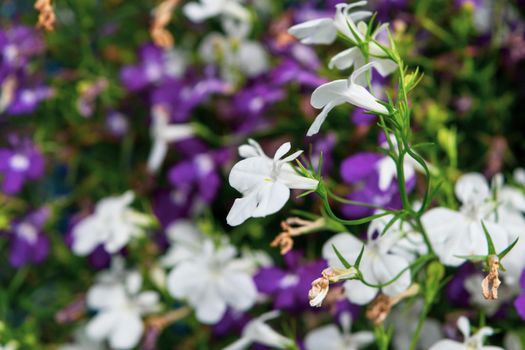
(508, 249)
(358, 260)
(490, 244)
(341, 258)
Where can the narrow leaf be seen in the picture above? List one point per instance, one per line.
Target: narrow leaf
(345, 263)
(490, 244)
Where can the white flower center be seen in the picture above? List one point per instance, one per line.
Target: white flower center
(27, 231)
(153, 72)
(10, 53)
(204, 164)
(19, 162)
(256, 104)
(28, 97)
(289, 280)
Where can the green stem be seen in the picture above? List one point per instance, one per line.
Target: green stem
(419, 328)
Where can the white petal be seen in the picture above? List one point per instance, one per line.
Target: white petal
(237, 289)
(328, 92)
(86, 236)
(361, 97)
(384, 66)
(362, 339)
(387, 268)
(292, 180)
(235, 10)
(101, 326)
(271, 197)
(127, 332)
(282, 150)
(198, 13)
(348, 245)
(386, 168)
(346, 59)
(317, 31)
(326, 338)
(157, 155)
(210, 307)
(242, 209)
(321, 117)
(250, 173)
(447, 344)
(185, 279)
(359, 293)
(472, 187)
(240, 344)
(174, 132)
(102, 296)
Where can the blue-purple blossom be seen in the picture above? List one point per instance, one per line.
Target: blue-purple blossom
(519, 303)
(19, 163)
(29, 243)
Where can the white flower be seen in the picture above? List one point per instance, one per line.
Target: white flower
(470, 342)
(460, 233)
(212, 280)
(505, 293)
(12, 345)
(120, 305)
(378, 265)
(186, 240)
(324, 30)
(113, 224)
(404, 320)
(82, 342)
(265, 183)
(257, 331)
(337, 92)
(198, 11)
(330, 337)
(519, 176)
(162, 133)
(234, 52)
(406, 241)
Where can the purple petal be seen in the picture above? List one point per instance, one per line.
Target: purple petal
(359, 166)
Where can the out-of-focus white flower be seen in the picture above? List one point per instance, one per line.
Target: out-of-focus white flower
(211, 280)
(510, 207)
(257, 331)
(470, 342)
(265, 183)
(198, 11)
(505, 293)
(83, 342)
(386, 167)
(337, 92)
(331, 338)
(378, 265)
(460, 233)
(9, 346)
(512, 342)
(234, 52)
(404, 319)
(120, 305)
(407, 242)
(162, 133)
(519, 176)
(113, 225)
(186, 240)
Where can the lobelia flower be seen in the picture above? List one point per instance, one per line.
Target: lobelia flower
(20, 163)
(162, 133)
(29, 244)
(257, 331)
(519, 303)
(112, 225)
(325, 30)
(474, 341)
(234, 52)
(264, 182)
(199, 176)
(329, 337)
(332, 94)
(120, 305)
(460, 233)
(26, 99)
(289, 287)
(198, 11)
(211, 280)
(155, 64)
(378, 265)
(185, 239)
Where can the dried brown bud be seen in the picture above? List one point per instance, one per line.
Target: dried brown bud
(46, 17)
(491, 283)
(294, 227)
(161, 17)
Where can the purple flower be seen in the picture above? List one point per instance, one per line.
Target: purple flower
(199, 175)
(117, 123)
(17, 45)
(155, 64)
(322, 144)
(519, 303)
(362, 171)
(20, 163)
(29, 244)
(27, 99)
(289, 287)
